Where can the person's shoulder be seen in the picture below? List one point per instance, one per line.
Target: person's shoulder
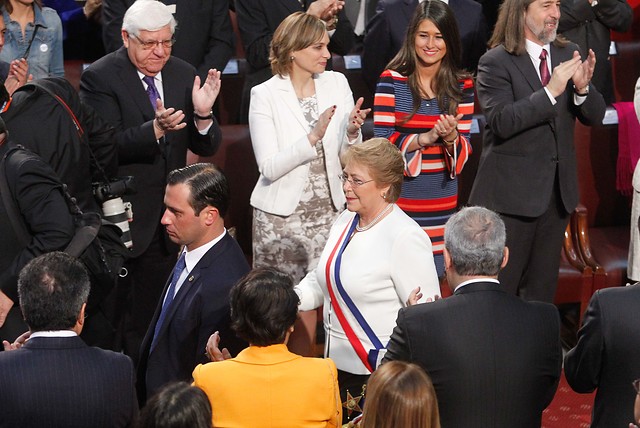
(393, 74)
(50, 16)
(179, 64)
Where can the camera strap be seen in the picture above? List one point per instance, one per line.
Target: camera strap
(76, 124)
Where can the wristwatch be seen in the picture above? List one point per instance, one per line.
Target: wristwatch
(586, 90)
(207, 117)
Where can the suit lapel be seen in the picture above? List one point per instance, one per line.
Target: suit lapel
(133, 84)
(285, 90)
(526, 67)
(190, 285)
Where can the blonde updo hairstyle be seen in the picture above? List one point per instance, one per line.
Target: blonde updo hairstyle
(384, 162)
(296, 32)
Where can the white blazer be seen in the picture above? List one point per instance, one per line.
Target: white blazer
(280, 144)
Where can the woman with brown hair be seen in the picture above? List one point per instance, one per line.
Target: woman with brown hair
(301, 120)
(423, 105)
(400, 394)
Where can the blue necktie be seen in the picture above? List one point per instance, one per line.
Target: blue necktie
(177, 271)
(152, 91)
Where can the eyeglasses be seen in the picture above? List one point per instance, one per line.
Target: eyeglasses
(354, 182)
(151, 44)
(636, 386)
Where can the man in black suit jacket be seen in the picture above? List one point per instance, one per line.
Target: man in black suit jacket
(527, 171)
(493, 358)
(204, 37)
(607, 355)
(35, 198)
(387, 29)
(588, 23)
(55, 379)
(195, 303)
(151, 143)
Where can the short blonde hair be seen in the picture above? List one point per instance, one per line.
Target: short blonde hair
(296, 32)
(384, 162)
(400, 394)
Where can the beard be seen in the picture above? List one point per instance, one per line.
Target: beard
(542, 32)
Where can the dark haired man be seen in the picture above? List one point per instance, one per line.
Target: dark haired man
(531, 87)
(55, 379)
(494, 359)
(195, 301)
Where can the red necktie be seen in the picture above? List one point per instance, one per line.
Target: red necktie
(545, 76)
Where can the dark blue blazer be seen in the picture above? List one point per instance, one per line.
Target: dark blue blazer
(200, 308)
(494, 358)
(387, 29)
(62, 382)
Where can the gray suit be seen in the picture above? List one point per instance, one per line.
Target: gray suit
(528, 165)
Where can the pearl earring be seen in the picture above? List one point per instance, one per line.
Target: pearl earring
(292, 58)
(384, 196)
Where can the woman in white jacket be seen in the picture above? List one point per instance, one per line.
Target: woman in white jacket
(300, 121)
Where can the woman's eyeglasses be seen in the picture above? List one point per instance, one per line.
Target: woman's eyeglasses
(355, 182)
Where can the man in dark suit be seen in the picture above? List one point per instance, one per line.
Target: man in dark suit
(195, 302)
(588, 23)
(607, 355)
(55, 379)
(152, 140)
(204, 37)
(387, 29)
(527, 171)
(493, 358)
(258, 20)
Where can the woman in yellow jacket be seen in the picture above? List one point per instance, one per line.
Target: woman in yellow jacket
(266, 385)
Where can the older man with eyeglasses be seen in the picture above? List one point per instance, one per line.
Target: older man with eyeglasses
(160, 108)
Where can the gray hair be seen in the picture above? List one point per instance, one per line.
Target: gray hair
(475, 239)
(147, 15)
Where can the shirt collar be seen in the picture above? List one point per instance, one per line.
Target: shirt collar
(192, 258)
(534, 50)
(53, 333)
(157, 79)
(471, 281)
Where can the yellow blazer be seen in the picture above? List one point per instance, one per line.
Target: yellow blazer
(271, 387)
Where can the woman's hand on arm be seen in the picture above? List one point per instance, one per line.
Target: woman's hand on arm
(213, 351)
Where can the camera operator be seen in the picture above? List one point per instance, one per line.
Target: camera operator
(40, 123)
(80, 153)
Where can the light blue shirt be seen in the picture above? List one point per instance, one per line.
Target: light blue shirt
(45, 55)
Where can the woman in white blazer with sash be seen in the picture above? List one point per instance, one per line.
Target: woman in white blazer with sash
(300, 120)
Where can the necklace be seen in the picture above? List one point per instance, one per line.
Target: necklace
(374, 221)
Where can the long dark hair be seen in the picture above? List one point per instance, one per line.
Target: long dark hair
(6, 4)
(447, 86)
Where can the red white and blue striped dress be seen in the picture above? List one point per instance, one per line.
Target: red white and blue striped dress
(430, 189)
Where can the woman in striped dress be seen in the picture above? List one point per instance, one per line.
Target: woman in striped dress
(423, 104)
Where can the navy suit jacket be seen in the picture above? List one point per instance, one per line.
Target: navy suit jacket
(113, 88)
(528, 141)
(387, 29)
(607, 355)
(200, 307)
(494, 359)
(62, 382)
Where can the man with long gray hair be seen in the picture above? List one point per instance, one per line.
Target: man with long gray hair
(492, 353)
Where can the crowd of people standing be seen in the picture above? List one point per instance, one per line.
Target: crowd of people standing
(367, 230)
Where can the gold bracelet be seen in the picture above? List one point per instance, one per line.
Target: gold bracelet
(452, 142)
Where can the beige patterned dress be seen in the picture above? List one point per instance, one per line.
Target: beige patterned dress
(294, 243)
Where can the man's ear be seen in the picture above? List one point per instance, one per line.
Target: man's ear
(505, 257)
(447, 260)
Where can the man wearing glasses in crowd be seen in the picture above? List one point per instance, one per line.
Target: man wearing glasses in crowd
(159, 109)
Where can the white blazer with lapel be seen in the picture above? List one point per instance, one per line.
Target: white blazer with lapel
(282, 150)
